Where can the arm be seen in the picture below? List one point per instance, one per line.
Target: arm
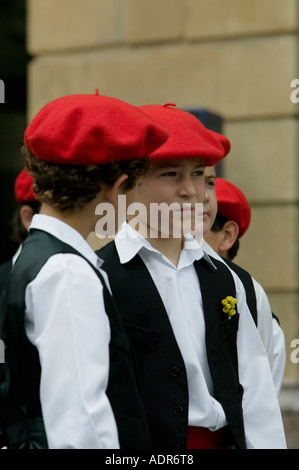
(264, 321)
(279, 355)
(268, 325)
(71, 331)
(261, 411)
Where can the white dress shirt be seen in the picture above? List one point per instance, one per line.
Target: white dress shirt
(66, 320)
(180, 292)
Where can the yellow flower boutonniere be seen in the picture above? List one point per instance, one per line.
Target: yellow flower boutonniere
(229, 306)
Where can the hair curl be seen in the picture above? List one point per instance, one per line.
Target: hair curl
(69, 187)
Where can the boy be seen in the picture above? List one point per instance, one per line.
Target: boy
(170, 298)
(27, 207)
(228, 218)
(72, 380)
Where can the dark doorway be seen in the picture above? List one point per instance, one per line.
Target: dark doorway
(13, 64)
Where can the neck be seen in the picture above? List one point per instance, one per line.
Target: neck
(79, 219)
(170, 247)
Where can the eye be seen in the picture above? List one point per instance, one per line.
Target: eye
(210, 183)
(198, 173)
(171, 173)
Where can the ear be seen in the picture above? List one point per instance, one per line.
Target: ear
(230, 232)
(26, 214)
(111, 192)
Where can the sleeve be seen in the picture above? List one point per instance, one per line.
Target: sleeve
(266, 325)
(279, 355)
(66, 320)
(262, 417)
(264, 321)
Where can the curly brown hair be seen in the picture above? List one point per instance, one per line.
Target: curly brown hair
(69, 187)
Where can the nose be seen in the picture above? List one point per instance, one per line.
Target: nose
(187, 187)
(206, 195)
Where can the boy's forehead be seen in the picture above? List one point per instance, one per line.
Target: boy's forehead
(210, 171)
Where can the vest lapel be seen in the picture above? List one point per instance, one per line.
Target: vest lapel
(134, 277)
(221, 334)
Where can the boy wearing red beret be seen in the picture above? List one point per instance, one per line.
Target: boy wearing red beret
(27, 207)
(72, 381)
(228, 218)
(205, 377)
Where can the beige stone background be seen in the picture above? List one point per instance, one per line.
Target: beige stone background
(236, 58)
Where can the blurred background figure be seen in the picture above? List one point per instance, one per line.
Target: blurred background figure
(27, 207)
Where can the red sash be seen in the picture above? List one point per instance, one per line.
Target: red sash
(203, 438)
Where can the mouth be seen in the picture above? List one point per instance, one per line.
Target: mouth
(187, 210)
(202, 214)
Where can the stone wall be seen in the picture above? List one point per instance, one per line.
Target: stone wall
(236, 58)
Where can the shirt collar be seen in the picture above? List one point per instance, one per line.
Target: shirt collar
(129, 242)
(66, 234)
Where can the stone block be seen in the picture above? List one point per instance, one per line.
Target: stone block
(185, 75)
(182, 75)
(263, 160)
(231, 18)
(51, 77)
(146, 21)
(269, 249)
(285, 306)
(55, 25)
(248, 78)
(241, 79)
(255, 77)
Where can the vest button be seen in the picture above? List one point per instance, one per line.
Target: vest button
(178, 410)
(174, 371)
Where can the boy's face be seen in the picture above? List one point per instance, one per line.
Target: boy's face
(175, 181)
(210, 201)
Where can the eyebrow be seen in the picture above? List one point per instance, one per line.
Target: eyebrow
(211, 176)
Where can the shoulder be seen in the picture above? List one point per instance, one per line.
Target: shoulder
(238, 269)
(68, 266)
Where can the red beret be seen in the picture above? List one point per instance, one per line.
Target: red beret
(24, 188)
(188, 137)
(92, 130)
(233, 204)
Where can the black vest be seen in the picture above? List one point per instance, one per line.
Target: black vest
(4, 271)
(161, 367)
(20, 411)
